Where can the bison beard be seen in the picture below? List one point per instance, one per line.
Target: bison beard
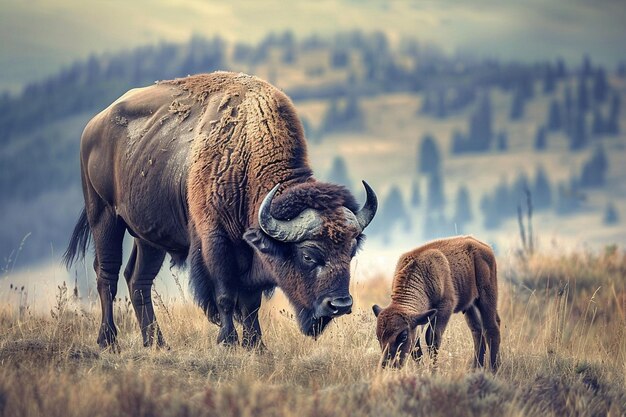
(188, 167)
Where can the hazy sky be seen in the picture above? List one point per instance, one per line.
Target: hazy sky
(40, 36)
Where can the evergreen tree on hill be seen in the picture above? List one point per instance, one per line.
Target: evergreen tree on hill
(595, 169)
(463, 209)
(435, 199)
(517, 105)
(429, 157)
(503, 141)
(578, 132)
(549, 79)
(583, 95)
(611, 217)
(541, 139)
(339, 172)
(416, 196)
(541, 190)
(554, 116)
(600, 85)
(612, 123)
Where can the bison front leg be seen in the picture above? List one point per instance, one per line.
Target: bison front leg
(249, 304)
(219, 261)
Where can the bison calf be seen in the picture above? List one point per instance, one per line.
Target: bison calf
(432, 282)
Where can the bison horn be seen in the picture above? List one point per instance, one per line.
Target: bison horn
(306, 224)
(367, 212)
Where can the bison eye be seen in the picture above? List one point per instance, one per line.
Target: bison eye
(403, 336)
(307, 259)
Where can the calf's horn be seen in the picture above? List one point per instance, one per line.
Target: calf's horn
(365, 215)
(305, 225)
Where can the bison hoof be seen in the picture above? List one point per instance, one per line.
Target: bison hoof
(228, 337)
(149, 338)
(107, 339)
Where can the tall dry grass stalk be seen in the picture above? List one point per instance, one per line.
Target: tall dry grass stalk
(563, 353)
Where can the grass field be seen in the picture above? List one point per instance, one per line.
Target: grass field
(563, 353)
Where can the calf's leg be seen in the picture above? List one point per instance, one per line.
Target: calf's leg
(434, 332)
(491, 323)
(474, 322)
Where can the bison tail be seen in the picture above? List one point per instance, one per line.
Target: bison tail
(79, 240)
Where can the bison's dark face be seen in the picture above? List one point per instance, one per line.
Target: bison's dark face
(396, 331)
(310, 256)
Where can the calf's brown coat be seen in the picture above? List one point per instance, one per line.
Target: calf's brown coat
(430, 283)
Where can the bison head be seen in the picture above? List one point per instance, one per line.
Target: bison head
(306, 240)
(396, 331)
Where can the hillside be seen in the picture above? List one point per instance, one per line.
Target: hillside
(368, 101)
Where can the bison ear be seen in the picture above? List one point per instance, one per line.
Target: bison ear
(376, 309)
(422, 318)
(259, 240)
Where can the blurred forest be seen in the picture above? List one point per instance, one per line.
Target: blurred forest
(338, 84)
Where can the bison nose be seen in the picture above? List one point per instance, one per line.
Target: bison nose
(336, 306)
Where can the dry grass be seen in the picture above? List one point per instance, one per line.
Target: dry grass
(564, 353)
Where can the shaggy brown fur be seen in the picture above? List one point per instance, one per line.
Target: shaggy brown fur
(183, 166)
(432, 282)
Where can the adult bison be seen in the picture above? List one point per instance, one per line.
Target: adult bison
(213, 169)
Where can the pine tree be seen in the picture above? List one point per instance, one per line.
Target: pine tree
(542, 190)
(568, 200)
(598, 125)
(517, 105)
(583, 95)
(353, 115)
(416, 196)
(463, 210)
(503, 141)
(440, 108)
(541, 142)
(612, 124)
(561, 69)
(481, 131)
(586, 66)
(568, 104)
(459, 142)
(578, 132)
(435, 199)
(595, 169)
(330, 121)
(429, 158)
(503, 199)
(600, 85)
(339, 172)
(549, 79)
(492, 217)
(518, 190)
(611, 217)
(394, 210)
(427, 103)
(554, 116)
